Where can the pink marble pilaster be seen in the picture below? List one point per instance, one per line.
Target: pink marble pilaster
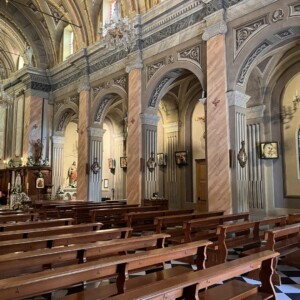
(83, 121)
(33, 112)
(218, 170)
(134, 140)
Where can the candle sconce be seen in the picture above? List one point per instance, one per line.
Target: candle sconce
(151, 164)
(95, 166)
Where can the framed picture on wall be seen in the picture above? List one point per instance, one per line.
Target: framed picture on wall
(181, 158)
(161, 159)
(268, 150)
(111, 163)
(40, 183)
(123, 162)
(105, 183)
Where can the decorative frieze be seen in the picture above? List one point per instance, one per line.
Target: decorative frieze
(284, 34)
(101, 108)
(251, 59)
(121, 81)
(246, 31)
(55, 13)
(158, 89)
(192, 54)
(75, 99)
(295, 9)
(152, 69)
(277, 15)
(62, 120)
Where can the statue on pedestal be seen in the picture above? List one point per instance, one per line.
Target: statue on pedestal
(72, 175)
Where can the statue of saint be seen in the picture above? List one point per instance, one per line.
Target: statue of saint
(38, 151)
(72, 175)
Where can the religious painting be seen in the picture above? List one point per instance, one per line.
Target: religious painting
(269, 150)
(40, 184)
(181, 158)
(123, 162)
(161, 159)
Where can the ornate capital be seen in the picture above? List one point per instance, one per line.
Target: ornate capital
(96, 132)
(236, 98)
(214, 30)
(84, 84)
(149, 119)
(56, 139)
(135, 63)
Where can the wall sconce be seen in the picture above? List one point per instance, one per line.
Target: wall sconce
(95, 166)
(151, 164)
(242, 156)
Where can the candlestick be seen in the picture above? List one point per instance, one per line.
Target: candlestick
(8, 186)
(27, 186)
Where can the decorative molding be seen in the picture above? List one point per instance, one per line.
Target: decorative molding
(295, 9)
(214, 30)
(192, 54)
(236, 98)
(136, 63)
(250, 60)
(55, 13)
(149, 119)
(98, 89)
(246, 31)
(256, 112)
(121, 81)
(278, 15)
(60, 125)
(171, 127)
(157, 90)
(170, 59)
(84, 84)
(284, 34)
(75, 99)
(152, 69)
(101, 108)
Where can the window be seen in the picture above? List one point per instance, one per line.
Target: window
(68, 42)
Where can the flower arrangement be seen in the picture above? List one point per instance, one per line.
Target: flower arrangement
(20, 201)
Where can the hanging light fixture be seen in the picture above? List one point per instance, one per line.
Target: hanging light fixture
(119, 32)
(296, 101)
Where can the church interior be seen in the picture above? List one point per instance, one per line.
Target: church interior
(171, 123)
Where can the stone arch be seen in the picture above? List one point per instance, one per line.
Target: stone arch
(64, 115)
(103, 101)
(164, 77)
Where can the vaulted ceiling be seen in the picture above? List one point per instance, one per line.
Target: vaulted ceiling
(40, 24)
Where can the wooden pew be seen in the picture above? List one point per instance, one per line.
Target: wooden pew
(18, 217)
(189, 286)
(141, 221)
(37, 232)
(63, 240)
(29, 285)
(115, 216)
(177, 221)
(286, 241)
(206, 228)
(15, 264)
(35, 224)
(293, 218)
(244, 235)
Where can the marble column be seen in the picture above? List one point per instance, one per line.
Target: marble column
(218, 171)
(149, 142)
(83, 139)
(33, 121)
(134, 139)
(237, 102)
(58, 177)
(96, 156)
(2, 136)
(172, 189)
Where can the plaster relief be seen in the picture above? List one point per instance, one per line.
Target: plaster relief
(157, 90)
(121, 81)
(101, 109)
(247, 31)
(192, 54)
(295, 10)
(152, 69)
(277, 16)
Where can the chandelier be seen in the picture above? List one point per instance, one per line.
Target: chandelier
(296, 101)
(119, 32)
(5, 99)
